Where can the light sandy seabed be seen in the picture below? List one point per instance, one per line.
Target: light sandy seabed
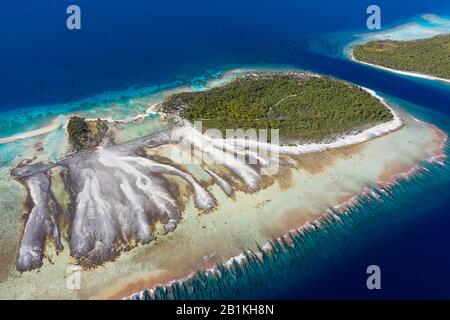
(320, 180)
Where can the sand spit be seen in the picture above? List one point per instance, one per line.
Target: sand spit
(55, 124)
(61, 121)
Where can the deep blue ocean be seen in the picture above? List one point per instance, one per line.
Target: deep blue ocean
(141, 43)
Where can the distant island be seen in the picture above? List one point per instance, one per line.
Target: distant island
(301, 106)
(429, 57)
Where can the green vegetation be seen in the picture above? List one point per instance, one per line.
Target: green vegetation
(427, 56)
(303, 107)
(86, 134)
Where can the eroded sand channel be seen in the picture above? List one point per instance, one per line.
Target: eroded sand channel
(320, 180)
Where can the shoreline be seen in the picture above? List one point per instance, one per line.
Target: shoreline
(346, 140)
(140, 116)
(392, 180)
(405, 73)
(146, 264)
(54, 125)
(413, 29)
(226, 77)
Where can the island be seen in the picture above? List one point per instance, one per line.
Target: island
(84, 134)
(303, 107)
(427, 57)
(133, 215)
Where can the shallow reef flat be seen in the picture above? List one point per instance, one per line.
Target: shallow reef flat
(200, 214)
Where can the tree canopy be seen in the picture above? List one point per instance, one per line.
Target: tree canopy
(426, 56)
(302, 107)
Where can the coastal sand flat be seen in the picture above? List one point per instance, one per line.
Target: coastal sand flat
(321, 180)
